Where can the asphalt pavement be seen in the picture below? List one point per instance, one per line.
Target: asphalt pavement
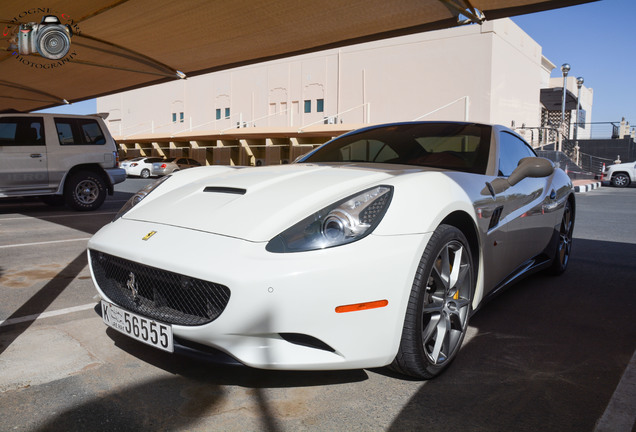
(549, 354)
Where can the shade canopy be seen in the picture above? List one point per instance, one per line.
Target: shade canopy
(125, 44)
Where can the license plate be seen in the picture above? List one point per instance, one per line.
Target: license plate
(148, 331)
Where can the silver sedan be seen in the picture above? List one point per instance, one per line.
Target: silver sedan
(168, 167)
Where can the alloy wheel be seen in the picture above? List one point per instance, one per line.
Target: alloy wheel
(87, 191)
(565, 236)
(446, 303)
(620, 180)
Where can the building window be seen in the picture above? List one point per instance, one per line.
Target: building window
(582, 118)
(174, 117)
(180, 117)
(227, 113)
(307, 106)
(218, 113)
(320, 105)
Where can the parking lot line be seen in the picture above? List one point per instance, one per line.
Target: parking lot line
(44, 243)
(620, 414)
(58, 216)
(46, 314)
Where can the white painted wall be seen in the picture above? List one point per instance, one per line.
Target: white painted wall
(496, 66)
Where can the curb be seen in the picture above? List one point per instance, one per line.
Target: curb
(587, 187)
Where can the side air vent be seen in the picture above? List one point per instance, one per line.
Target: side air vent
(494, 219)
(306, 340)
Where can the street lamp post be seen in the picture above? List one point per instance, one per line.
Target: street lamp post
(579, 83)
(565, 68)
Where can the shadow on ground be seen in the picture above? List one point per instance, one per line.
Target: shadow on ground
(61, 215)
(547, 351)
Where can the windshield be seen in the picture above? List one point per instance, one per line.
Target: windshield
(455, 146)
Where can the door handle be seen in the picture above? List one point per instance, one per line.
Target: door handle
(36, 155)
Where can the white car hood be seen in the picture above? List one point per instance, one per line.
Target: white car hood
(620, 166)
(255, 204)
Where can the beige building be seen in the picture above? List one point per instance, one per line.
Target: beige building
(273, 111)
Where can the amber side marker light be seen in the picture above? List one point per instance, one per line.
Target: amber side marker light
(362, 306)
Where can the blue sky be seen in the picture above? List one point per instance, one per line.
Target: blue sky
(597, 39)
(84, 107)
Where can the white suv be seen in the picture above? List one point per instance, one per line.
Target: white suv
(620, 175)
(62, 158)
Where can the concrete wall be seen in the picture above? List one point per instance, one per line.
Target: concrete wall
(496, 68)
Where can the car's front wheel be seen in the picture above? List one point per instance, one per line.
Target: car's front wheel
(145, 173)
(439, 306)
(620, 180)
(85, 190)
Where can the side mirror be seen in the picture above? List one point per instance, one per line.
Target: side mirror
(531, 167)
(528, 167)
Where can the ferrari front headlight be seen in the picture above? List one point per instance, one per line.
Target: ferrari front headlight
(343, 222)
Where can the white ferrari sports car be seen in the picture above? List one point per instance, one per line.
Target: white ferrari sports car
(372, 250)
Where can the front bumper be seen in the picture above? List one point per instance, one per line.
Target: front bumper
(279, 300)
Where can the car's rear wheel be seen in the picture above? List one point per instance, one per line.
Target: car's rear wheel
(85, 190)
(145, 173)
(620, 180)
(439, 306)
(564, 246)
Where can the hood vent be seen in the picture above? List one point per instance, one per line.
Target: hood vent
(227, 190)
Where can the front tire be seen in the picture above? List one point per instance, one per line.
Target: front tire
(145, 173)
(84, 191)
(620, 180)
(439, 306)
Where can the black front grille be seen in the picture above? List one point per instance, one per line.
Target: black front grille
(158, 294)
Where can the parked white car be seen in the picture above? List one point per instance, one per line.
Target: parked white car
(372, 250)
(140, 166)
(620, 175)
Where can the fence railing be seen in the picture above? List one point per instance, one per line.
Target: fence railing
(465, 99)
(593, 164)
(541, 137)
(552, 139)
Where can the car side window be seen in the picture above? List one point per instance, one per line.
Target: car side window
(73, 131)
(21, 131)
(511, 151)
(65, 132)
(91, 132)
